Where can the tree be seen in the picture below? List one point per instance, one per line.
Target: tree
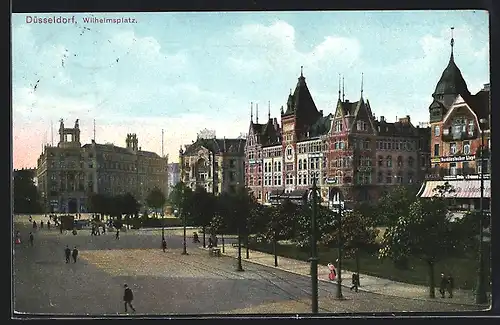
(325, 222)
(97, 203)
(358, 234)
(203, 209)
(156, 199)
(426, 232)
(394, 204)
(26, 196)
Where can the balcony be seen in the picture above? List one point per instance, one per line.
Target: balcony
(452, 173)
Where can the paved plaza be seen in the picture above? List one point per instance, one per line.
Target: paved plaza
(171, 283)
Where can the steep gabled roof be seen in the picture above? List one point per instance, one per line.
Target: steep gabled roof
(217, 145)
(395, 129)
(301, 103)
(321, 126)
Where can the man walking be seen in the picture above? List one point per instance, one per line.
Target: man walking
(355, 282)
(117, 236)
(67, 253)
(48, 225)
(164, 244)
(32, 238)
(128, 296)
(74, 254)
(443, 285)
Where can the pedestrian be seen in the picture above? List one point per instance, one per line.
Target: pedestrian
(333, 272)
(67, 253)
(210, 244)
(41, 224)
(164, 244)
(103, 229)
(30, 218)
(117, 236)
(48, 225)
(74, 254)
(34, 224)
(443, 285)
(450, 285)
(128, 296)
(61, 228)
(93, 231)
(18, 237)
(32, 238)
(355, 282)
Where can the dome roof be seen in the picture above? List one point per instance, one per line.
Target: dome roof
(451, 82)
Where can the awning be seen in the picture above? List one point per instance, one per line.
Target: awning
(465, 189)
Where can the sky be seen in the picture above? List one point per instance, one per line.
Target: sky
(184, 72)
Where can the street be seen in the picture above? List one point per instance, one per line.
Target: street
(169, 283)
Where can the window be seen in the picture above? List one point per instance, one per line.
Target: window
(436, 149)
(453, 148)
(388, 178)
(338, 126)
(466, 147)
(389, 161)
(471, 127)
(304, 164)
(399, 178)
(288, 151)
(316, 163)
(341, 145)
(380, 177)
(289, 179)
(300, 164)
(400, 161)
(453, 169)
(410, 177)
(465, 168)
(411, 162)
(437, 131)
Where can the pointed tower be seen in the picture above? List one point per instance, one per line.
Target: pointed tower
(449, 87)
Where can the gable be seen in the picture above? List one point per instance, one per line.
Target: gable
(362, 113)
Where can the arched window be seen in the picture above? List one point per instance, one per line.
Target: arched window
(300, 164)
(389, 161)
(304, 164)
(279, 166)
(380, 161)
(411, 162)
(400, 161)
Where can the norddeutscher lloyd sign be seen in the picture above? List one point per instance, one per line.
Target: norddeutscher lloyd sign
(458, 158)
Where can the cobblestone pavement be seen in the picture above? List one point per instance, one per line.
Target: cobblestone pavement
(369, 283)
(168, 283)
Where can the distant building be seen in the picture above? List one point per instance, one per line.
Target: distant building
(174, 176)
(214, 164)
(455, 139)
(350, 151)
(69, 173)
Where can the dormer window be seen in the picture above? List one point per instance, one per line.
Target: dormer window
(471, 128)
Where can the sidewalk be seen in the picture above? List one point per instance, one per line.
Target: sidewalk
(368, 283)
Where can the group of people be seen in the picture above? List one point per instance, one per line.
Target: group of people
(70, 253)
(446, 285)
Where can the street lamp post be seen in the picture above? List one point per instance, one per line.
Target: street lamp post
(339, 264)
(239, 267)
(480, 293)
(314, 252)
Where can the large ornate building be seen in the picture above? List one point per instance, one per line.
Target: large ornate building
(214, 164)
(68, 173)
(456, 118)
(349, 151)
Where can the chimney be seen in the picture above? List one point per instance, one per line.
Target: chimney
(382, 119)
(347, 100)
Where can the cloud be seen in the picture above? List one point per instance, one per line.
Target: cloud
(259, 47)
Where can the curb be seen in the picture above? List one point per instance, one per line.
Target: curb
(346, 286)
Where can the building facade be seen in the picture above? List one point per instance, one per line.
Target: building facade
(69, 173)
(214, 164)
(173, 177)
(349, 151)
(458, 121)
